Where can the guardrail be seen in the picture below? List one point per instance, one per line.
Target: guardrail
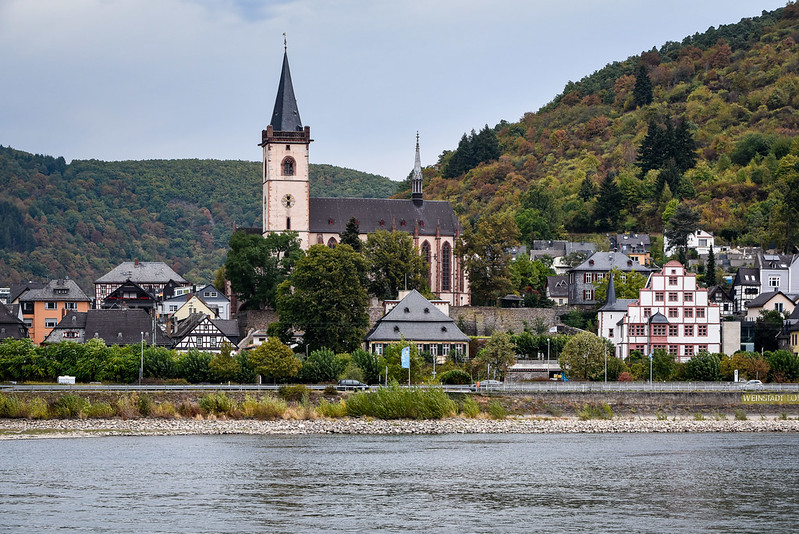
(522, 387)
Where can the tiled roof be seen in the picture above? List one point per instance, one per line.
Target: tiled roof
(332, 215)
(416, 319)
(142, 272)
(115, 327)
(11, 326)
(61, 290)
(604, 261)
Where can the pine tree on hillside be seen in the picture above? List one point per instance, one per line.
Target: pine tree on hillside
(642, 93)
(608, 204)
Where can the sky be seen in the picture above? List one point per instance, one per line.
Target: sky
(172, 79)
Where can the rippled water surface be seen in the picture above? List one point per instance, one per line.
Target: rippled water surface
(471, 483)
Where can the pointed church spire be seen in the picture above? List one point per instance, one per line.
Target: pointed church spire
(286, 116)
(611, 294)
(416, 179)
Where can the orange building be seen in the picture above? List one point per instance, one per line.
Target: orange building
(42, 309)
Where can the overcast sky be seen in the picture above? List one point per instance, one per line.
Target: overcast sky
(153, 79)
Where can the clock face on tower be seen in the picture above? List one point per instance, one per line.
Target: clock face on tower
(288, 200)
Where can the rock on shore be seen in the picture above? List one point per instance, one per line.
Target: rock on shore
(60, 428)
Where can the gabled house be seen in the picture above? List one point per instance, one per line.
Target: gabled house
(11, 326)
(773, 300)
(201, 332)
(418, 321)
(557, 289)
(43, 308)
(700, 241)
(191, 304)
(208, 300)
(635, 246)
(582, 279)
(745, 287)
(114, 327)
(775, 272)
(130, 295)
(718, 295)
(152, 276)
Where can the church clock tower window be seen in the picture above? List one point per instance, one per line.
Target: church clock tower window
(288, 166)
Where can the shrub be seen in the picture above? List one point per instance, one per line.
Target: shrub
(265, 408)
(399, 403)
(100, 410)
(217, 403)
(13, 408)
(496, 410)
(38, 409)
(292, 393)
(332, 409)
(127, 407)
(145, 405)
(740, 415)
(595, 411)
(68, 406)
(625, 377)
(165, 410)
(189, 409)
(699, 417)
(469, 407)
(330, 390)
(455, 377)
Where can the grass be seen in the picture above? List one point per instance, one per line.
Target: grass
(595, 411)
(395, 402)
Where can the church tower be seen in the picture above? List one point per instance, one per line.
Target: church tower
(416, 178)
(286, 187)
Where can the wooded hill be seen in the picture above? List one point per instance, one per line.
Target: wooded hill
(720, 110)
(82, 219)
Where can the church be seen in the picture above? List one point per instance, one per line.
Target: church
(287, 204)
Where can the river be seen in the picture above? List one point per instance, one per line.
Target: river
(440, 483)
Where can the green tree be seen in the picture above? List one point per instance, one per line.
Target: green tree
(325, 297)
(275, 360)
(682, 223)
(626, 284)
(255, 265)
(350, 235)
(159, 363)
(608, 204)
(710, 269)
(393, 264)
(322, 365)
(371, 365)
(497, 356)
(767, 327)
(223, 366)
(783, 366)
(704, 367)
(193, 366)
(642, 92)
(486, 257)
(583, 357)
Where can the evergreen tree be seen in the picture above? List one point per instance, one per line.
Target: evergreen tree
(710, 269)
(642, 93)
(350, 235)
(608, 204)
(681, 224)
(587, 189)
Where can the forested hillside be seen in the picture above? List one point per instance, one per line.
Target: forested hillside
(82, 219)
(711, 121)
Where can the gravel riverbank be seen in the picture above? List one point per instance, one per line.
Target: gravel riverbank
(30, 429)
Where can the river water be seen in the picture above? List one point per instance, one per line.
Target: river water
(451, 483)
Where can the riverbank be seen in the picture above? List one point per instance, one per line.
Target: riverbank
(71, 428)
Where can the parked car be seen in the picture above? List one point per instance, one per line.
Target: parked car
(486, 384)
(753, 384)
(347, 385)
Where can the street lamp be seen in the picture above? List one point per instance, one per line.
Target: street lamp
(606, 361)
(141, 367)
(547, 368)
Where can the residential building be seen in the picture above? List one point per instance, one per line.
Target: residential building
(776, 271)
(11, 326)
(635, 246)
(42, 309)
(114, 326)
(199, 331)
(584, 277)
(418, 321)
(745, 287)
(772, 300)
(722, 297)
(152, 276)
(671, 313)
(700, 241)
(557, 289)
(287, 204)
(129, 295)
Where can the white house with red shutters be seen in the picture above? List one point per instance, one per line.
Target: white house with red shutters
(671, 313)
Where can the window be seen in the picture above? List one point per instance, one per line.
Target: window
(210, 294)
(700, 313)
(639, 330)
(659, 296)
(689, 297)
(588, 294)
(689, 350)
(50, 305)
(672, 280)
(173, 307)
(674, 330)
(70, 335)
(332, 242)
(28, 323)
(445, 349)
(27, 307)
(288, 166)
(288, 223)
(689, 330)
(647, 312)
(212, 341)
(610, 332)
(778, 306)
(673, 297)
(702, 348)
(50, 323)
(446, 273)
(658, 329)
(379, 349)
(674, 313)
(701, 330)
(71, 305)
(674, 350)
(689, 313)
(774, 281)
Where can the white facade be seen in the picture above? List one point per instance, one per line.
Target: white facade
(700, 241)
(672, 313)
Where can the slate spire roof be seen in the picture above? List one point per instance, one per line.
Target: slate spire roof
(416, 182)
(286, 116)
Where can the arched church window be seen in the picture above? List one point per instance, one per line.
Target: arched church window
(288, 166)
(446, 253)
(332, 242)
(426, 258)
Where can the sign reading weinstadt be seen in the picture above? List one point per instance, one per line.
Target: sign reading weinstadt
(770, 398)
(406, 358)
